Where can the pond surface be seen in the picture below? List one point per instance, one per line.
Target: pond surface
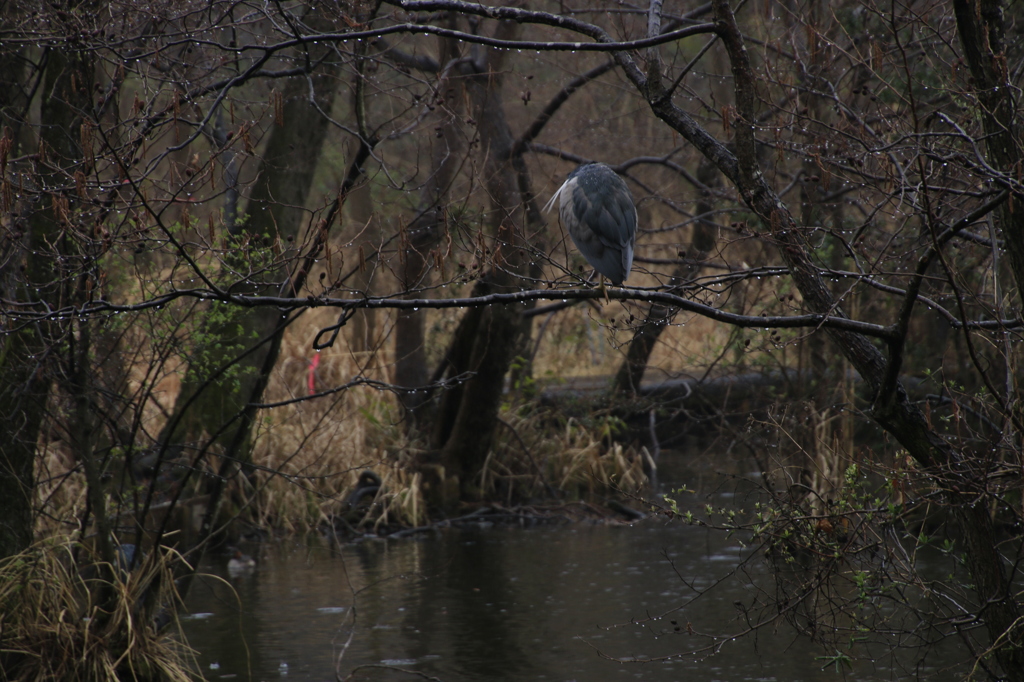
(499, 603)
(577, 602)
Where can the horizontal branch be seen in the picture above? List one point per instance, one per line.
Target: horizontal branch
(28, 313)
(620, 294)
(545, 45)
(604, 42)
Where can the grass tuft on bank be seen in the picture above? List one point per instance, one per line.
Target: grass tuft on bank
(61, 619)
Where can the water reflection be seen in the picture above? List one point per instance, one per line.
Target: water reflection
(496, 604)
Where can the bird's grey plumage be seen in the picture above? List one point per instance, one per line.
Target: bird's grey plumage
(597, 209)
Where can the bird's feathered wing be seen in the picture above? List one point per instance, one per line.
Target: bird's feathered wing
(597, 209)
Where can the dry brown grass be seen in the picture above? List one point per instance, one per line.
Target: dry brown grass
(311, 452)
(579, 460)
(51, 628)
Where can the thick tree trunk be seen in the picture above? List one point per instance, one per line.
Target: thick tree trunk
(631, 372)
(981, 24)
(494, 342)
(362, 326)
(276, 214)
(14, 93)
(702, 242)
(457, 362)
(23, 390)
(423, 235)
(28, 354)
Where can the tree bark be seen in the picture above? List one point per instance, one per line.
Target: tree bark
(494, 343)
(981, 24)
(423, 235)
(362, 326)
(276, 213)
(28, 353)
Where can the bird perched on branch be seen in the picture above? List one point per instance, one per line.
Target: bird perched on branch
(597, 209)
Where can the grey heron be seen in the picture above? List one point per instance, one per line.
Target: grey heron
(597, 209)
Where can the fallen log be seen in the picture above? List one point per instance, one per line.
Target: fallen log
(665, 411)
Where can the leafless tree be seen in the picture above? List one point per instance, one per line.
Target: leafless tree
(183, 182)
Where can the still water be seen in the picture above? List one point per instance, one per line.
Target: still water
(499, 603)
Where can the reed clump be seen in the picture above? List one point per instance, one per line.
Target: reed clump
(539, 452)
(59, 622)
